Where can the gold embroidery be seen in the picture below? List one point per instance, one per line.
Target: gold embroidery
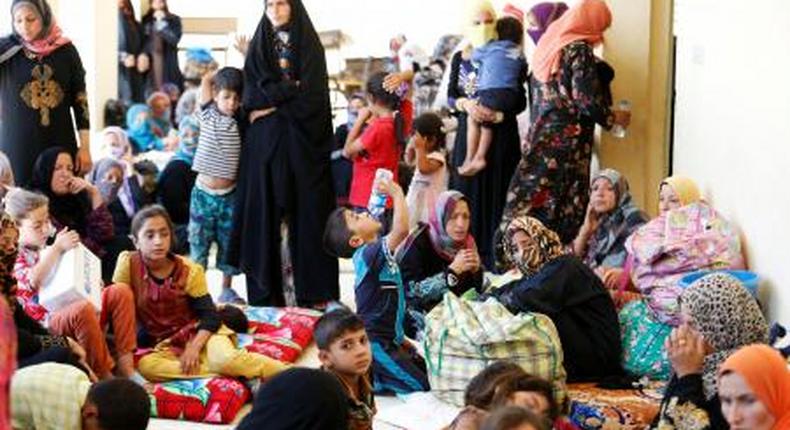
(683, 416)
(43, 93)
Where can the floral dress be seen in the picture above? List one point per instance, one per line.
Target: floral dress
(552, 180)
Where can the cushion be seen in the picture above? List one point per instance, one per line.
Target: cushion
(597, 408)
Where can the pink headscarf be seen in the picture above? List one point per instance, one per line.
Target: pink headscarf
(586, 21)
(51, 37)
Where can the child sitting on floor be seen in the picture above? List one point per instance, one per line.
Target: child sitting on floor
(378, 290)
(217, 165)
(55, 396)
(344, 351)
(430, 177)
(176, 313)
(503, 71)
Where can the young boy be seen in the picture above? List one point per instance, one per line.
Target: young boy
(379, 291)
(217, 164)
(55, 396)
(502, 72)
(344, 351)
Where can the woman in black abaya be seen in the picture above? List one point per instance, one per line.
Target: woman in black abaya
(285, 169)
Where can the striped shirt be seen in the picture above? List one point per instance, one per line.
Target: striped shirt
(219, 144)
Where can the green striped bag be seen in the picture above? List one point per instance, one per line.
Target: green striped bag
(463, 337)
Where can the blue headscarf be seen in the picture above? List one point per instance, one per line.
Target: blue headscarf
(140, 131)
(188, 132)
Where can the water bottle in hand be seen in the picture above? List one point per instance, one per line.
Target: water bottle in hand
(378, 200)
(618, 130)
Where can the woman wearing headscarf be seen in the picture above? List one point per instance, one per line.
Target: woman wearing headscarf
(560, 286)
(41, 82)
(285, 171)
(176, 181)
(719, 317)
(299, 399)
(611, 217)
(541, 16)
(162, 32)
(754, 388)
(130, 44)
(687, 236)
(438, 257)
(145, 134)
(568, 98)
(486, 191)
(108, 176)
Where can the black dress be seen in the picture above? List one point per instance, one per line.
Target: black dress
(424, 273)
(175, 191)
(685, 406)
(161, 45)
(342, 167)
(574, 298)
(131, 85)
(36, 101)
(285, 165)
(487, 190)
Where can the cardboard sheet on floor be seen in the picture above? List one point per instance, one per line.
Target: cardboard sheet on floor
(418, 411)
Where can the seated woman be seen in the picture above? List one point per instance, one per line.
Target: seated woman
(108, 176)
(438, 257)
(718, 316)
(176, 181)
(81, 321)
(77, 205)
(563, 288)
(754, 388)
(611, 218)
(175, 312)
(687, 236)
(144, 133)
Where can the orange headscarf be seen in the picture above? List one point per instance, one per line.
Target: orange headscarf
(765, 370)
(586, 21)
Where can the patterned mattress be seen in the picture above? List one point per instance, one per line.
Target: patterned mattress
(594, 408)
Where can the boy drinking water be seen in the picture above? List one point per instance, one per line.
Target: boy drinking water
(378, 289)
(217, 165)
(344, 351)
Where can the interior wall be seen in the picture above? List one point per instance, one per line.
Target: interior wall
(732, 128)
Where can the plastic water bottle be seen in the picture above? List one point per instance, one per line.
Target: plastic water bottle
(378, 201)
(618, 130)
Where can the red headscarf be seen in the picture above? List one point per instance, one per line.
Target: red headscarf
(586, 21)
(765, 370)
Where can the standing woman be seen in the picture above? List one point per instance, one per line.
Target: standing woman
(285, 168)
(41, 82)
(130, 45)
(486, 190)
(162, 32)
(568, 99)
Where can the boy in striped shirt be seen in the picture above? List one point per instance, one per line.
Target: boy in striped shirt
(217, 165)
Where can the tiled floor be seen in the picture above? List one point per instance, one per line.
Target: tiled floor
(309, 359)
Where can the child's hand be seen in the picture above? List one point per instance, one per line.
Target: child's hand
(391, 188)
(66, 240)
(190, 360)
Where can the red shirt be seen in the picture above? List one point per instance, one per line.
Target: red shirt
(381, 152)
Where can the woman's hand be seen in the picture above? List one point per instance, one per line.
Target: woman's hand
(686, 349)
(610, 276)
(592, 219)
(621, 117)
(190, 360)
(143, 63)
(66, 240)
(466, 260)
(78, 185)
(83, 159)
(472, 261)
(242, 44)
(260, 113)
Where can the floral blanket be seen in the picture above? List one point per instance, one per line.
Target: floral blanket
(280, 333)
(595, 408)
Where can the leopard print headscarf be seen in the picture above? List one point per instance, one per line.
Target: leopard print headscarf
(545, 245)
(727, 316)
(8, 253)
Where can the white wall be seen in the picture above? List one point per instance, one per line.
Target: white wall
(733, 124)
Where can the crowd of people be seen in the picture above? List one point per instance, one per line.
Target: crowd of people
(255, 170)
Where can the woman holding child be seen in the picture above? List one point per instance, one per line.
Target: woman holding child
(285, 172)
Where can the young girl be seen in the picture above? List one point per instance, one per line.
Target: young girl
(430, 177)
(176, 313)
(34, 265)
(379, 146)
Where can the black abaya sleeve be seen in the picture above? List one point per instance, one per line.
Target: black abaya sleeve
(79, 100)
(453, 93)
(171, 31)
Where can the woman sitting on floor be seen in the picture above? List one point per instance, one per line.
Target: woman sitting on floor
(718, 316)
(438, 257)
(611, 217)
(560, 286)
(175, 312)
(687, 236)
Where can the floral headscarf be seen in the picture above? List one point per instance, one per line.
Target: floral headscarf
(616, 226)
(545, 245)
(727, 316)
(108, 190)
(443, 244)
(685, 188)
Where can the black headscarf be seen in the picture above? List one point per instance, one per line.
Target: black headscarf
(299, 399)
(12, 44)
(69, 210)
(306, 105)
